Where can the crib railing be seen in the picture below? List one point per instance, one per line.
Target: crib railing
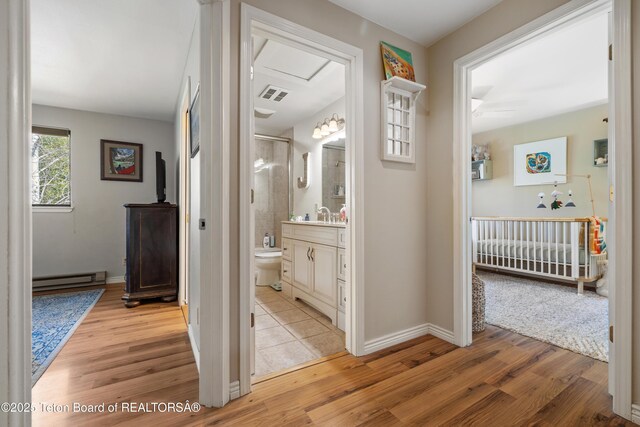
(550, 247)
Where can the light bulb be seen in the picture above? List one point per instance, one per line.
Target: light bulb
(316, 132)
(324, 129)
(333, 123)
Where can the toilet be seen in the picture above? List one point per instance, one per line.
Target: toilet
(268, 262)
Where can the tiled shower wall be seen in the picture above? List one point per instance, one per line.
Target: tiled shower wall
(271, 197)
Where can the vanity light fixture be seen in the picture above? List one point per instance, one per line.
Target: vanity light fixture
(329, 126)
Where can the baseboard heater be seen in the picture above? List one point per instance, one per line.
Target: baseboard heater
(62, 281)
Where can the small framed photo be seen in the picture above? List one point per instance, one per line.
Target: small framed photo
(194, 123)
(120, 161)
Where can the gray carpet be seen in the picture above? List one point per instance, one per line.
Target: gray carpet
(550, 313)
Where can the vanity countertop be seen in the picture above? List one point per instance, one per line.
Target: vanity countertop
(317, 223)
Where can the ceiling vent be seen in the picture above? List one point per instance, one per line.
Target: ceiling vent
(273, 93)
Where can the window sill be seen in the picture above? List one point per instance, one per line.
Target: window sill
(52, 209)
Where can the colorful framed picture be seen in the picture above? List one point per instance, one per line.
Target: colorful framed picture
(397, 62)
(120, 161)
(194, 123)
(540, 162)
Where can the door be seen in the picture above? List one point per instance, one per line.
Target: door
(194, 249)
(252, 228)
(325, 282)
(611, 225)
(184, 197)
(302, 265)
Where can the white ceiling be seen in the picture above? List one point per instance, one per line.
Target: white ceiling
(118, 56)
(562, 72)
(312, 83)
(423, 21)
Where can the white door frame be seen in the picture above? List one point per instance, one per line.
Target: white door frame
(15, 210)
(352, 58)
(620, 168)
(185, 192)
(215, 45)
(15, 205)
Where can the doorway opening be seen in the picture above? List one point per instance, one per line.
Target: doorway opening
(540, 187)
(302, 290)
(504, 240)
(299, 192)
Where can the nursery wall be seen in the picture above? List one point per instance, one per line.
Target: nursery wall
(499, 197)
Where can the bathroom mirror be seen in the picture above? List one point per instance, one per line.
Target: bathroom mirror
(333, 175)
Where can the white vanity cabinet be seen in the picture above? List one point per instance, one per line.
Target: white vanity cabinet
(314, 265)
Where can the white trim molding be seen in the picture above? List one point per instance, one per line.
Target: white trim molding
(194, 347)
(395, 338)
(215, 33)
(52, 209)
(442, 333)
(635, 414)
(353, 59)
(114, 279)
(620, 169)
(234, 390)
(399, 337)
(15, 210)
(621, 210)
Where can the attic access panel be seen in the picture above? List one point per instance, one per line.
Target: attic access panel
(289, 61)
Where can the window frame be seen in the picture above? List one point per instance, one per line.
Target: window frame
(47, 208)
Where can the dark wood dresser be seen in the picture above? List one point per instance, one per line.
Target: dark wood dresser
(152, 253)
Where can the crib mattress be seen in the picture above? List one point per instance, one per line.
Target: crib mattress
(519, 249)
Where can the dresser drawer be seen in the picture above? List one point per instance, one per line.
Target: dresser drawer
(342, 296)
(342, 237)
(311, 233)
(286, 271)
(287, 249)
(342, 264)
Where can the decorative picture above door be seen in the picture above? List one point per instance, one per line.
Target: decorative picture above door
(540, 162)
(120, 161)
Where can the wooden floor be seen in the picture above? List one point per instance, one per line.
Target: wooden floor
(143, 355)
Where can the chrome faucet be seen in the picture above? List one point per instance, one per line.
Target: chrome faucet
(325, 215)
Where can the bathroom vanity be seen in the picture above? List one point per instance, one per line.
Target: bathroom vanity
(314, 266)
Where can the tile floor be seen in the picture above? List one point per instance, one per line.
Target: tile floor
(289, 333)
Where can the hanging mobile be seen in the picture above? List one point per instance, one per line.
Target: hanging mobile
(556, 204)
(570, 203)
(541, 204)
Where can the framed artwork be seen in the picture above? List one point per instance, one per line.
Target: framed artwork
(120, 161)
(397, 62)
(539, 162)
(194, 123)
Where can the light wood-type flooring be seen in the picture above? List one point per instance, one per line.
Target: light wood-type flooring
(143, 355)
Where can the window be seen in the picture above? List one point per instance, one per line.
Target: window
(51, 167)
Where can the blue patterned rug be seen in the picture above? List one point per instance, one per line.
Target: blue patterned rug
(55, 317)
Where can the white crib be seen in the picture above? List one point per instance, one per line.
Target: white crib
(556, 248)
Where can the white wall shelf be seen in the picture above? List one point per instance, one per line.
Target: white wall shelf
(398, 109)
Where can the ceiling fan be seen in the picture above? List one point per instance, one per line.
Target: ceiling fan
(491, 110)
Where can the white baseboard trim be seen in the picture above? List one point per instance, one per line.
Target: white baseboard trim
(635, 413)
(392, 339)
(441, 333)
(115, 279)
(194, 347)
(234, 390)
(389, 340)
